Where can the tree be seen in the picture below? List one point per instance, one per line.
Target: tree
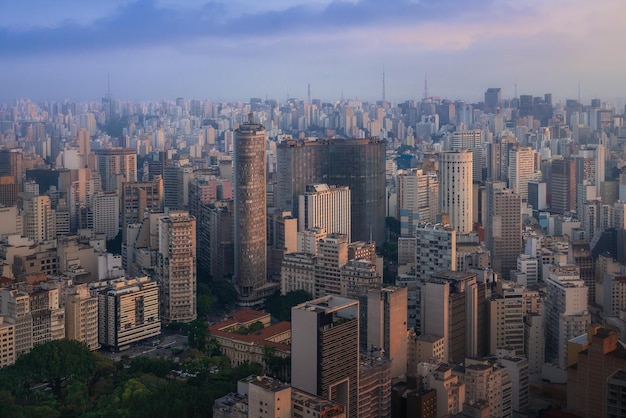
(198, 333)
(280, 305)
(55, 363)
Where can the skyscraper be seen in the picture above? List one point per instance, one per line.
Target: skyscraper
(455, 189)
(177, 267)
(386, 325)
(325, 349)
(503, 232)
(325, 207)
(116, 166)
(358, 164)
(563, 186)
(250, 212)
(521, 170)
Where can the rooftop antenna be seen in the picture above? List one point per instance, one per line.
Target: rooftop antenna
(425, 86)
(384, 100)
(309, 93)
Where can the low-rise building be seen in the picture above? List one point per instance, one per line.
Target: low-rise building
(242, 343)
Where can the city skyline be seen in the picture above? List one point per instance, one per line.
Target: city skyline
(157, 48)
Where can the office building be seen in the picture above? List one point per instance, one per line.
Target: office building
(116, 166)
(139, 197)
(521, 170)
(325, 350)
(325, 207)
(11, 164)
(453, 307)
(250, 213)
(493, 97)
(385, 325)
(589, 383)
(417, 194)
(9, 191)
(503, 231)
(506, 317)
(616, 395)
(128, 312)
(177, 267)
(106, 214)
(534, 343)
(562, 186)
(565, 311)
(455, 189)
(358, 164)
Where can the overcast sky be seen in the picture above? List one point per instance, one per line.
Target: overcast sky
(237, 49)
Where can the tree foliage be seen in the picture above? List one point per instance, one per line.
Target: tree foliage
(280, 305)
(86, 384)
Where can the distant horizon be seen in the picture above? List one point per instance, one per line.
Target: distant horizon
(613, 101)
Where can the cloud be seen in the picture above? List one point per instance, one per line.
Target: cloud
(149, 22)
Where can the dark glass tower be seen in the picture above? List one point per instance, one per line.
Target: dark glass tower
(358, 164)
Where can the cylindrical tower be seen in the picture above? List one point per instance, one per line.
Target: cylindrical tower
(455, 188)
(250, 210)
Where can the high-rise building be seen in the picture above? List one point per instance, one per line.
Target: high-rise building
(470, 140)
(435, 249)
(455, 189)
(374, 387)
(128, 312)
(39, 219)
(506, 318)
(563, 186)
(9, 191)
(358, 164)
(325, 207)
(418, 194)
(116, 166)
(521, 170)
(503, 232)
(592, 382)
(137, 198)
(250, 213)
(565, 311)
(385, 324)
(81, 316)
(325, 350)
(177, 267)
(490, 383)
(453, 307)
(106, 214)
(11, 164)
(493, 97)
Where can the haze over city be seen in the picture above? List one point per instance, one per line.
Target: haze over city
(235, 50)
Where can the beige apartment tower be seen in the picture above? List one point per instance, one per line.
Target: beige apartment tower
(177, 266)
(455, 189)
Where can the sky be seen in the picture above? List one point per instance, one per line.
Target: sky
(237, 49)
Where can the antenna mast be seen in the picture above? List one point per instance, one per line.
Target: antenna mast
(384, 99)
(425, 86)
